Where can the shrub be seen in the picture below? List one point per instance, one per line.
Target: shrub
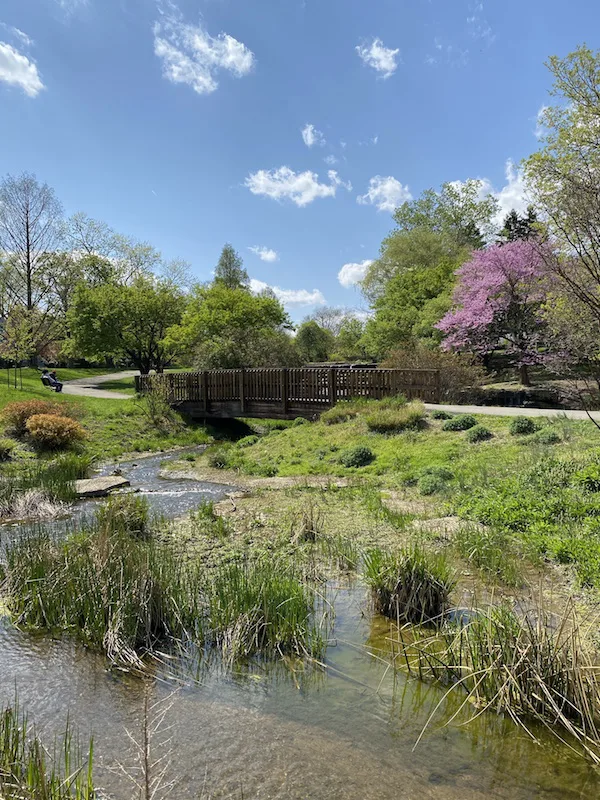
(357, 457)
(300, 421)
(16, 415)
(396, 420)
(589, 477)
(341, 412)
(439, 413)
(546, 436)
(54, 433)
(522, 426)
(6, 448)
(127, 513)
(412, 585)
(458, 371)
(434, 479)
(460, 423)
(479, 433)
(248, 441)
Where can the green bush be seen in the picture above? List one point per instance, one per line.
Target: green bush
(6, 448)
(439, 413)
(460, 423)
(434, 479)
(589, 478)
(248, 441)
(479, 433)
(300, 421)
(522, 426)
(357, 457)
(396, 420)
(546, 436)
(219, 458)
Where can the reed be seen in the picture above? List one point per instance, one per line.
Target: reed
(532, 668)
(28, 772)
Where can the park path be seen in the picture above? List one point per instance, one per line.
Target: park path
(91, 386)
(506, 411)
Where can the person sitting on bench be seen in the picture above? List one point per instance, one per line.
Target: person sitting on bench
(49, 379)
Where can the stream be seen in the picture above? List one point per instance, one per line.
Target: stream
(262, 731)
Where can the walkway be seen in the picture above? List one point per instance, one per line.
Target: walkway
(505, 411)
(90, 386)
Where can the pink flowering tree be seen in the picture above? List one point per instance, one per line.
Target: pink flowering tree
(497, 302)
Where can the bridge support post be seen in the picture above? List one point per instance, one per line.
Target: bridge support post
(242, 390)
(284, 383)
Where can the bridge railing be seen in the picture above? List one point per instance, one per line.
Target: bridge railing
(289, 389)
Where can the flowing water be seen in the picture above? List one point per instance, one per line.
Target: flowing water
(265, 731)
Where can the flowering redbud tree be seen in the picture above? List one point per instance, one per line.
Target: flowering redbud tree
(497, 302)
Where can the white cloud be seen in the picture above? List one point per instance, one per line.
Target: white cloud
(311, 136)
(264, 253)
(290, 297)
(381, 58)
(540, 128)
(299, 187)
(331, 160)
(18, 70)
(513, 194)
(351, 274)
(16, 33)
(385, 193)
(191, 56)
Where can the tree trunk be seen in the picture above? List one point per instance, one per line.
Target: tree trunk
(524, 375)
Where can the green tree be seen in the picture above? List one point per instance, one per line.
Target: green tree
(461, 210)
(228, 328)
(313, 342)
(563, 175)
(126, 321)
(230, 270)
(520, 227)
(349, 344)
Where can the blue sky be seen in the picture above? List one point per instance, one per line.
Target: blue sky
(288, 126)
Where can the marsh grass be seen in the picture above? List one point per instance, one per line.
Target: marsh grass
(28, 771)
(410, 585)
(397, 419)
(533, 669)
(491, 550)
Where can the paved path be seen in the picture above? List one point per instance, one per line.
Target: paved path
(505, 411)
(90, 387)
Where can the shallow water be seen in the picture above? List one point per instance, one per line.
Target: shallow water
(261, 732)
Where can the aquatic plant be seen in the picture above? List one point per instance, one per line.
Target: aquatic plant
(127, 513)
(529, 667)
(491, 550)
(410, 585)
(28, 772)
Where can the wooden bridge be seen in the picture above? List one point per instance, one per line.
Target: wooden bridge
(285, 393)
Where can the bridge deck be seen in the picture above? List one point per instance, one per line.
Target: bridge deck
(285, 393)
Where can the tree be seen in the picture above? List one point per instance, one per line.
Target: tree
(16, 341)
(30, 217)
(227, 328)
(516, 227)
(349, 342)
(230, 271)
(313, 342)
(126, 321)
(330, 318)
(498, 300)
(464, 211)
(563, 175)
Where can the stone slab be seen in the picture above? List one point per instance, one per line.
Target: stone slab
(100, 487)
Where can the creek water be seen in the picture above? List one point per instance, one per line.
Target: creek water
(265, 731)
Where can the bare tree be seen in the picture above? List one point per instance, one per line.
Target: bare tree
(30, 216)
(90, 236)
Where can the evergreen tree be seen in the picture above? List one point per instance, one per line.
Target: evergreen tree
(516, 227)
(230, 270)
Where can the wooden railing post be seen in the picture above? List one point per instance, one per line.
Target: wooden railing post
(438, 386)
(331, 398)
(205, 390)
(284, 382)
(242, 390)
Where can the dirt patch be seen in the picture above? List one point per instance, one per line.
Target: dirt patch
(249, 482)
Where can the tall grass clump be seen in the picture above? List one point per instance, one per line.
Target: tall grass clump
(524, 667)
(410, 585)
(262, 607)
(491, 550)
(28, 772)
(398, 419)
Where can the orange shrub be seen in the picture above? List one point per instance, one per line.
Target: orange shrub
(17, 414)
(52, 433)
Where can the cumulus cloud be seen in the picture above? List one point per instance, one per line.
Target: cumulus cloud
(299, 187)
(264, 253)
(311, 136)
(381, 59)
(18, 70)
(290, 297)
(385, 193)
(513, 194)
(191, 56)
(351, 274)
